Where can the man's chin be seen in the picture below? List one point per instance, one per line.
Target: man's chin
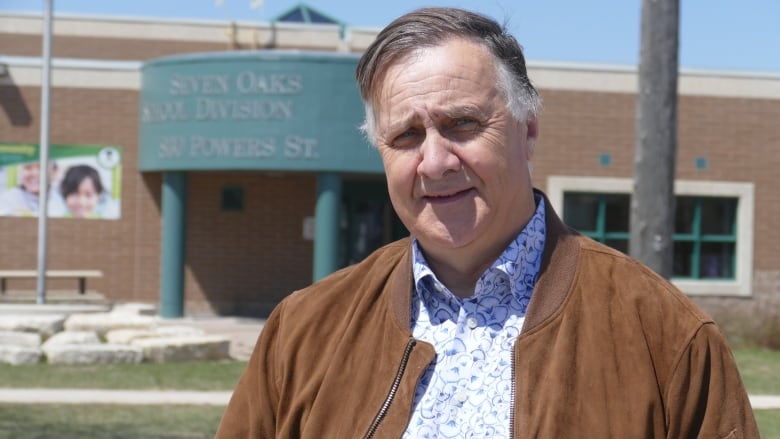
(446, 241)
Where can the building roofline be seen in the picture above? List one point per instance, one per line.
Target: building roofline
(133, 18)
(586, 77)
(33, 61)
(142, 19)
(71, 63)
(630, 68)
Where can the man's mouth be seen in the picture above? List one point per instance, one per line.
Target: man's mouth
(445, 198)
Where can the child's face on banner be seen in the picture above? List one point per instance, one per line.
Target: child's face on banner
(82, 203)
(31, 177)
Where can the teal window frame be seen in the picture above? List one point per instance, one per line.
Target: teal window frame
(696, 237)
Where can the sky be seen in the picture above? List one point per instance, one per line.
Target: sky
(714, 34)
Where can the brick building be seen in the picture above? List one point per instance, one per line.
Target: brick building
(246, 235)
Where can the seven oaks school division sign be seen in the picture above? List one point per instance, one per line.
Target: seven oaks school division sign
(265, 110)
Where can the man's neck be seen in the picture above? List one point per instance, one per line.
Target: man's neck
(460, 280)
(460, 268)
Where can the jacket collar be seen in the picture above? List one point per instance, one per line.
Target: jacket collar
(559, 261)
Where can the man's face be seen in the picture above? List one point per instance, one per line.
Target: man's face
(456, 160)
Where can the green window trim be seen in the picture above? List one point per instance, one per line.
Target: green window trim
(721, 255)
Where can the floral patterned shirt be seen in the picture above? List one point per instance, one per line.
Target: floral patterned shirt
(467, 391)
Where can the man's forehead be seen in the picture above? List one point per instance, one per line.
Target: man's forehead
(400, 61)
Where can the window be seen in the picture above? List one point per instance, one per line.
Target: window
(704, 232)
(232, 199)
(705, 237)
(713, 227)
(603, 217)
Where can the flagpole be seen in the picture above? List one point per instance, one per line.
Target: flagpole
(43, 151)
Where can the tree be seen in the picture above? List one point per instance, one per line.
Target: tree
(652, 202)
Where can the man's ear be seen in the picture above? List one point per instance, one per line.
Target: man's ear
(531, 134)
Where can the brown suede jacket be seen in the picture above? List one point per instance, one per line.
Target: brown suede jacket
(609, 350)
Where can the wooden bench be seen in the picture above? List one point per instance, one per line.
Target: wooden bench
(81, 275)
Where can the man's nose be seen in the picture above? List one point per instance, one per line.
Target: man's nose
(438, 157)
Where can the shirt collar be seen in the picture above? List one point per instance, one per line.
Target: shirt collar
(515, 271)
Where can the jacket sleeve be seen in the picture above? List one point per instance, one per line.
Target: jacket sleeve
(252, 410)
(705, 396)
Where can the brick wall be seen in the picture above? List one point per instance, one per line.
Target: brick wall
(126, 250)
(740, 139)
(244, 262)
(101, 48)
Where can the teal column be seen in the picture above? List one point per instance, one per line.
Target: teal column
(326, 225)
(174, 195)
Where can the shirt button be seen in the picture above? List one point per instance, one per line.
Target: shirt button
(437, 286)
(471, 322)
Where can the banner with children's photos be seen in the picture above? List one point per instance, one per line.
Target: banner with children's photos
(84, 181)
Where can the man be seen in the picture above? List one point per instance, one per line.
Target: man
(495, 319)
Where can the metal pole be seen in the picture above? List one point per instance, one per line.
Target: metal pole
(43, 151)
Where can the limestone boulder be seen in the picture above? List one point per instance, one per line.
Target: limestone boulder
(187, 348)
(126, 336)
(16, 338)
(102, 323)
(71, 338)
(44, 324)
(20, 355)
(93, 354)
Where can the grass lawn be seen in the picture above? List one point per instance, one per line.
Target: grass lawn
(768, 423)
(158, 422)
(194, 375)
(760, 370)
(107, 421)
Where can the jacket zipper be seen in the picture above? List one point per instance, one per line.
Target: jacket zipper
(393, 390)
(512, 400)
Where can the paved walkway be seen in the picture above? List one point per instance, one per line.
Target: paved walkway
(170, 397)
(760, 402)
(132, 397)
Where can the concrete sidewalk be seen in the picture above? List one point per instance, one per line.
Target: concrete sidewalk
(131, 397)
(173, 397)
(765, 402)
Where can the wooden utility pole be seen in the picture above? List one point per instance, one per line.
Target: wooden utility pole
(652, 202)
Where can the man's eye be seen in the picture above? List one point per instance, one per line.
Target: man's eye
(405, 139)
(464, 125)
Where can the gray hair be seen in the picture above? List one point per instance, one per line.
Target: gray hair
(430, 27)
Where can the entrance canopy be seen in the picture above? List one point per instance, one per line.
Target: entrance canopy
(253, 110)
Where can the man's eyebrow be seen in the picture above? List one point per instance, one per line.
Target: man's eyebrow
(399, 125)
(469, 110)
